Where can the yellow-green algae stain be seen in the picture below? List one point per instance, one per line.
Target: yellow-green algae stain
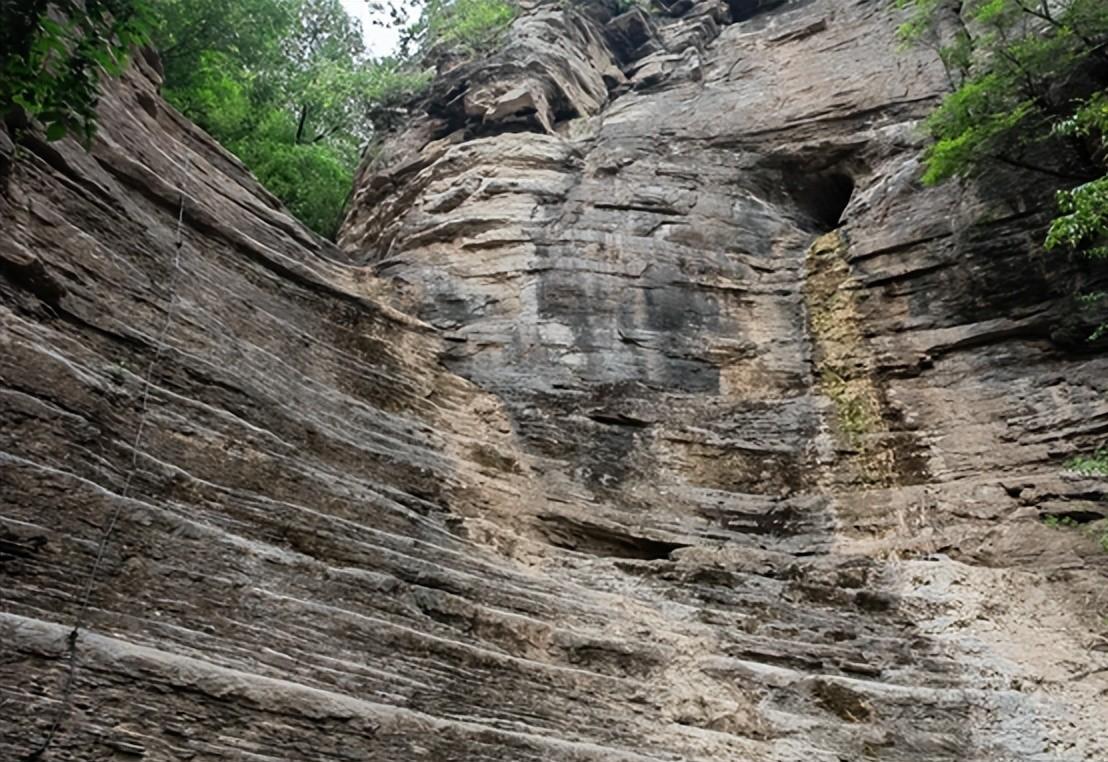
(843, 364)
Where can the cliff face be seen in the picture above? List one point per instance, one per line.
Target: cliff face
(648, 409)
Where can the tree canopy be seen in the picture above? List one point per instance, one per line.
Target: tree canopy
(1030, 90)
(52, 53)
(287, 85)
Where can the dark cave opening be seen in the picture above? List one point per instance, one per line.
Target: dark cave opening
(743, 10)
(822, 198)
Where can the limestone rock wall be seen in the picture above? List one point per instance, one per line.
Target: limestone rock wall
(648, 409)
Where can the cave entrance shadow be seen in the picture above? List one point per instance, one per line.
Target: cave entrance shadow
(743, 10)
(822, 197)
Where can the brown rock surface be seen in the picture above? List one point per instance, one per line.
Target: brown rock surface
(661, 469)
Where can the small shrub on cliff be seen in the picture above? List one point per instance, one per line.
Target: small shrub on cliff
(1090, 465)
(472, 24)
(392, 81)
(53, 53)
(1097, 531)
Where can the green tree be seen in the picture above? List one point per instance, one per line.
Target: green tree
(1030, 80)
(325, 79)
(312, 178)
(53, 52)
(246, 33)
(286, 85)
(1030, 90)
(466, 26)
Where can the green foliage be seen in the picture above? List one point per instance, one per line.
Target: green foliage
(1083, 224)
(1025, 77)
(216, 96)
(1060, 522)
(392, 82)
(921, 20)
(53, 53)
(1095, 464)
(1097, 531)
(971, 125)
(1030, 81)
(287, 86)
(312, 179)
(470, 26)
(247, 33)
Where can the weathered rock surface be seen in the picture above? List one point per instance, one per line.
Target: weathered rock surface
(661, 468)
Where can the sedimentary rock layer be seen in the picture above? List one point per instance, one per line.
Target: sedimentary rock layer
(648, 409)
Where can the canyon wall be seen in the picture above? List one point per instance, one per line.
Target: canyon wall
(648, 408)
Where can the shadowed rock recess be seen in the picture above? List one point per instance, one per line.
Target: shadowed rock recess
(647, 409)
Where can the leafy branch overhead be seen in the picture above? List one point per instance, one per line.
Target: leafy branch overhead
(52, 53)
(1029, 90)
(1029, 79)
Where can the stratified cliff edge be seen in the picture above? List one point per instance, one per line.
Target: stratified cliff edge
(649, 409)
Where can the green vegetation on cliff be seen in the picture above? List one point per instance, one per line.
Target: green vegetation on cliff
(1095, 464)
(286, 85)
(472, 25)
(1031, 91)
(52, 54)
(461, 26)
(290, 88)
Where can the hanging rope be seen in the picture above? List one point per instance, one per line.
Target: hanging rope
(105, 537)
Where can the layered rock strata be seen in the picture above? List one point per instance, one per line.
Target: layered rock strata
(648, 409)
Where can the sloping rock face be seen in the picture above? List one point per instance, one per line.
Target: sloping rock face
(648, 410)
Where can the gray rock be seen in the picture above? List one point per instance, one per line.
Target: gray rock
(590, 441)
